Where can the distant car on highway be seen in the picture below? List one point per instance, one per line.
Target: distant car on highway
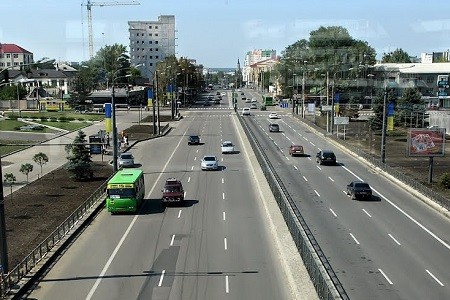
(253, 106)
(326, 157)
(209, 162)
(359, 190)
(227, 147)
(273, 115)
(254, 100)
(193, 140)
(273, 127)
(296, 150)
(246, 111)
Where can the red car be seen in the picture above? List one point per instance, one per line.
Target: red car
(173, 191)
(296, 150)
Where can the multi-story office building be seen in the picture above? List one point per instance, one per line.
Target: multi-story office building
(12, 56)
(151, 42)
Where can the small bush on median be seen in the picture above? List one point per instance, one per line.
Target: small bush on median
(444, 180)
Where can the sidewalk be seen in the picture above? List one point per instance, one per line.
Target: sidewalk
(54, 149)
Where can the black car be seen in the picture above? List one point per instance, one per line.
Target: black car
(326, 157)
(359, 190)
(193, 140)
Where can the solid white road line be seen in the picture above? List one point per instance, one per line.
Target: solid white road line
(393, 238)
(161, 278)
(305, 178)
(225, 243)
(173, 238)
(385, 276)
(179, 214)
(435, 278)
(227, 287)
(353, 237)
(334, 214)
(367, 213)
(317, 193)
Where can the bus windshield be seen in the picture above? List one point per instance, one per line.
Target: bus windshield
(121, 193)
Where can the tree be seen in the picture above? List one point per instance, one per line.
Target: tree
(410, 102)
(396, 56)
(79, 159)
(10, 179)
(26, 169)
(41, 159)
(377, 105)
(82, 86)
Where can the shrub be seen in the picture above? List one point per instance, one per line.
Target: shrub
(13, 117)
(70, 118)
(53, 119)
(444, 180)
(81, 119)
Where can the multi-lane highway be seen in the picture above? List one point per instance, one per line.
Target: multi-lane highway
(391, 247)
(217, 246)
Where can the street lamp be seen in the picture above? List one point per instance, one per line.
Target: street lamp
(114, 128)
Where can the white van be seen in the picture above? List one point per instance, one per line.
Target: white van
(246, 111)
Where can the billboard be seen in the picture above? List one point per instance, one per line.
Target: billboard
(426, 142)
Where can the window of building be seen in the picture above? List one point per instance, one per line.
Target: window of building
(151, 49)
(149, 34)
(16, 55)
(156, 42)
(61, 82)
(156, 34)
(8, 55)
(156, 49)
(149, 42)
(151, 64)
(430, 79)
(2, 64)
(8, 64)
(156, 56)
(150, 27)
(16, 63)
(156, 27)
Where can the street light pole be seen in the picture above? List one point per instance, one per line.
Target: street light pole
(383, 127)
(328, 102)
(303, 94)
(114, 129)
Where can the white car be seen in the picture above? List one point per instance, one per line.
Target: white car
(248, 100)
(209, 162)
(126, 160)
(227, 147)
(254, 100)
(246, 111)
(273, 115)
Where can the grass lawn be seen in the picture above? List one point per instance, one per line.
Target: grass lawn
(65, 114)
(71, 126)
(5, 149)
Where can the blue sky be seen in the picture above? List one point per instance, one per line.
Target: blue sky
(218, 32)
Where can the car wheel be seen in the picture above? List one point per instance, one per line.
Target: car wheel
(353, 196)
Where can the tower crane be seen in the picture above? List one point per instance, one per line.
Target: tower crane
(89, 5)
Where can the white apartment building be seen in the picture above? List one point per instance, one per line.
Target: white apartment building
(151, 42)
(253, 57)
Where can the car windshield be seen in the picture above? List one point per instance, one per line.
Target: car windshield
(328, 154)
(171, 188)
(126, 156)
(227, 145)
(209, 158)
(193, 137)
(362, 185)
(121, 193)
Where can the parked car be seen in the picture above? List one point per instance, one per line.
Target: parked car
(254, 100)
(227, 147)
(193, 140)
(326, 157)
(246, 111)
(296, 150)
(126, 159)
(253, 106)
(209, 162)
(273, 127)
(359, 190)
(173, 191)
(273, 115)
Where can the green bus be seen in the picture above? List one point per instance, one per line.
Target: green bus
(267, 100)
(125, 191)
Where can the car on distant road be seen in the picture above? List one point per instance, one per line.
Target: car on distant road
(273, 127)
(359, 190)
(253, 106)
(126, 159)
(193, 140)
(246, 111)
(326, 157)
(227, 147)
(173, 191)
(209, 162)
(273, 115)
(296, 150)
(242, 93)
(254, 100)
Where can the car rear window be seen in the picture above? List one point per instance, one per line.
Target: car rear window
(227, 144)
(126, 156)
(328, 154)
(362, 185)
(209, 158)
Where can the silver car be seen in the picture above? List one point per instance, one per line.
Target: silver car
(126, 160)
(227, 147)
(209, 162)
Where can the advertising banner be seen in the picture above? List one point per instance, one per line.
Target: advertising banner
(150, 97)
(426, 142)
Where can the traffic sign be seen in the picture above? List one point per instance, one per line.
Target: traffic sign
(341, 120)
(327, 108)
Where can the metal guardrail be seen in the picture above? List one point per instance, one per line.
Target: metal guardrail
(325, 281)
(32, 259)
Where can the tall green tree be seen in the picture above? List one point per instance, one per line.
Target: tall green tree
(409, 106)
(10, 179)
(82, 86)
(79, 158)
(26, 169)
(396, 56)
